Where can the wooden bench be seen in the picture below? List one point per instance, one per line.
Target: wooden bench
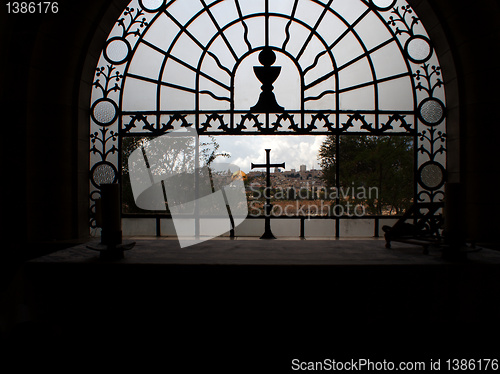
(422, 224)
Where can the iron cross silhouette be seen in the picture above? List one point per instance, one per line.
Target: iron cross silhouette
(268, 207)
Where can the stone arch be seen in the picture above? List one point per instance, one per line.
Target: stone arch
(456, 39)
(435, 105)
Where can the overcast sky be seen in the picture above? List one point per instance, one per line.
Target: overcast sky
(292, 150)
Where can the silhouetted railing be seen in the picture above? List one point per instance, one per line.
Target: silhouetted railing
(303, 231)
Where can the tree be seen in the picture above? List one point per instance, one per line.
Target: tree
(208, 151)
(384, 163)
(179, 158)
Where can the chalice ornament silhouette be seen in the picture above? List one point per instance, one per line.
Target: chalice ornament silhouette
(267, 75)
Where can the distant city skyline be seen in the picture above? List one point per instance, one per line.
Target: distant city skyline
(294, 151)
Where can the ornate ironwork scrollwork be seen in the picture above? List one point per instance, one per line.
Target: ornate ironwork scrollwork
(432, 139)
(285, 117)
(401, 119)
(326, 122)
(250, 117)
(103, 139)
(431, 175)
(94, 196)
(401, 19)
(212, 117)
(358, 117)
(322, 109)
(233, 130)
(427, 78)
(177, 117)
(138, 118)
(133, 19)
(109, 75)
(376, 131)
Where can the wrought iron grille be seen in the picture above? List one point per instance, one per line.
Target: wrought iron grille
(332, 67)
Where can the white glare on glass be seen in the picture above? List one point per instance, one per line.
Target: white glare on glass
(203, 195)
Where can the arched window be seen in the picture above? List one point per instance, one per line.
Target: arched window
(328, 67)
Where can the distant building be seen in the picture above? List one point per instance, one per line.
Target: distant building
(303, 168)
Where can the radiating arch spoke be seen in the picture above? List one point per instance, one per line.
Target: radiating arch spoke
(162, 83)
(184, 29)
(188, 66)
(346, 32)
(287, 27)
(245, 26)
(216, 24)
(344, 66)
(311, 34)
(374, 82)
